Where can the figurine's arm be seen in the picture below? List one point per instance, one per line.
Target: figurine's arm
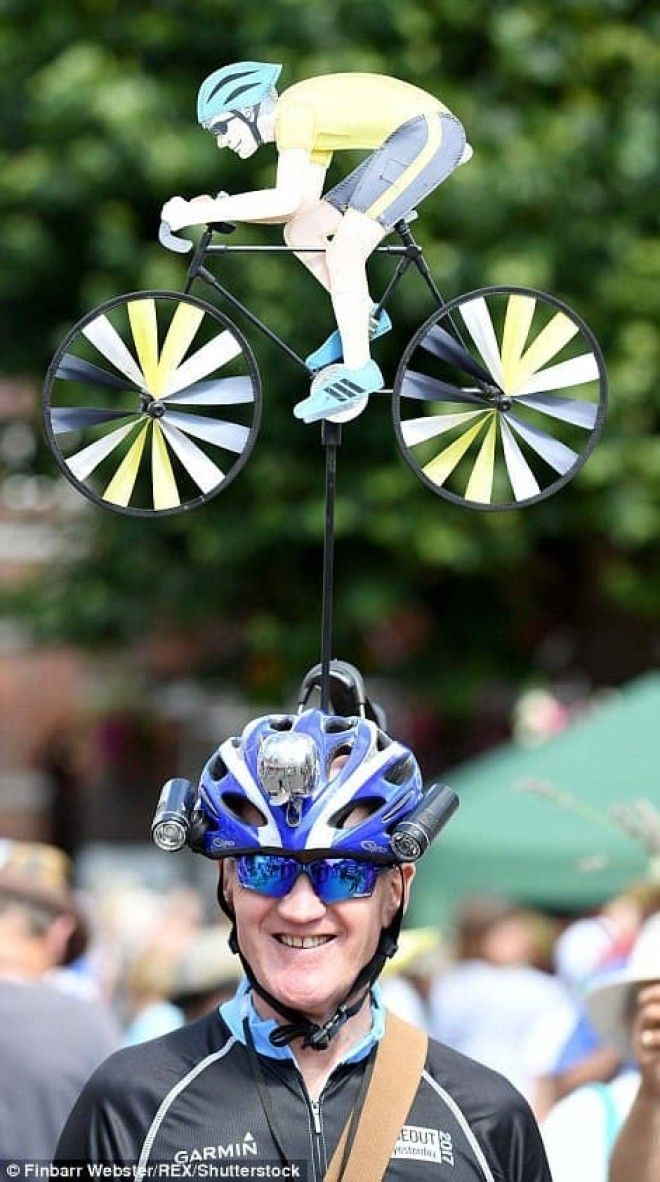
(298, 180)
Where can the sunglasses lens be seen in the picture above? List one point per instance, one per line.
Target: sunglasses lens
(269, 874)
(334, 879)
(219, 128)
(339, 879)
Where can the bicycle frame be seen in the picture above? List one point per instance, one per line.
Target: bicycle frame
(409, 254)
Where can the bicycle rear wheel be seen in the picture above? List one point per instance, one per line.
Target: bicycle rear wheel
(152, 403)
(499, 398)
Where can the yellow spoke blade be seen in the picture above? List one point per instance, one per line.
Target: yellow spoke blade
(180, 335)
(122, 484)
(519, 313)
(144, 326)
(444, 463)
(557, 333)
(166, 493)
(480, 484)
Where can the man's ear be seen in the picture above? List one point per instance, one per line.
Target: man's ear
(398, 887)
(226, 882)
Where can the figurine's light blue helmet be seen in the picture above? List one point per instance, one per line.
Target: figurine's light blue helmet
(235, 87)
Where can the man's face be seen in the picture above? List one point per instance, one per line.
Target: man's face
(234, 132)
(305, 952)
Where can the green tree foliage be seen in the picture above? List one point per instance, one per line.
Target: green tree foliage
(561, 104)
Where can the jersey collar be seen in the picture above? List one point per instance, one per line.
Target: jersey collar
(241, 1006)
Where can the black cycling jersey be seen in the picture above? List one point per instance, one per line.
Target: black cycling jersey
(190, 1098)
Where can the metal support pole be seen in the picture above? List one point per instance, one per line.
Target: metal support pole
(330, 438)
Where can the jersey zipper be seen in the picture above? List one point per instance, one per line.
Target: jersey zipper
(316, 1115)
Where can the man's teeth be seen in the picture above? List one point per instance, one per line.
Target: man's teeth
(303, 941)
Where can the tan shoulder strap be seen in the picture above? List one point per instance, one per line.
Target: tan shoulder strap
(397, 1071)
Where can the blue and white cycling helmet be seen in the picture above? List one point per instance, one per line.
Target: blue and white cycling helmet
(303, 775)
(233, 88)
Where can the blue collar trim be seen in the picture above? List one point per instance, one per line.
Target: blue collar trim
(241, 1006)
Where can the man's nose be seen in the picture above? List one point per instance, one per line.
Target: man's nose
(302, 904)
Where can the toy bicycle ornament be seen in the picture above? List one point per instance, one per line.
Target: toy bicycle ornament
(153, 400)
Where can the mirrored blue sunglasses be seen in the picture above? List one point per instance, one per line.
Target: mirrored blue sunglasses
(334, 880)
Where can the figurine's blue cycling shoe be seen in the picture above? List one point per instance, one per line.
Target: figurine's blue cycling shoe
(340, 391)
(331, 349)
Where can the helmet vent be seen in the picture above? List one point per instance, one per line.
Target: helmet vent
(399, 806)
(337, 726)
(382, 741)
(243, 809)
(218, 769)
(364, 809)
(400, 771)
(283, 723)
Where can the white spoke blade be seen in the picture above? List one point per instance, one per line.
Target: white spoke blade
(198, 465)
(108, 342)
(556, 454)
(569, 410)
(231, 436)
(225, 392)
(523, 480)
(213, 355)
(83, 462)
(480, 326)
(419, 430)
(575, 372)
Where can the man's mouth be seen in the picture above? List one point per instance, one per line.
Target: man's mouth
(303, 941)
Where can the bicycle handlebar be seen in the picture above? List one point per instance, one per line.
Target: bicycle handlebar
(182, 245)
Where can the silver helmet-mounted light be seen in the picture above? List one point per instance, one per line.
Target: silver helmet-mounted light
(289, 770)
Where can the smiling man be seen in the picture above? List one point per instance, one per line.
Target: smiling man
(314, 819)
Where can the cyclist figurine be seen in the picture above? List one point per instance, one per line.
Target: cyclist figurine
(414, 142)
(302, 812)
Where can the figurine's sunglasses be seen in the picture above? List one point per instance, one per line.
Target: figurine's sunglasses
(221, 126)
(334, 880)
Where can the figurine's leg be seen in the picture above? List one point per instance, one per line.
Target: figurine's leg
(355, 238)
(313, 226)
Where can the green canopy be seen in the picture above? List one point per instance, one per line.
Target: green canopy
(507, 841)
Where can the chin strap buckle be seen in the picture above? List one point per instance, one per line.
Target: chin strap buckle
(319, 1038)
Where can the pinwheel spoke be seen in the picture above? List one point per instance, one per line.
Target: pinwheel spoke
(223, 348)
(419, 385)
(575, 372)
(480, 326)
(519, 315)
(480, 484)
(439, 468)
(445, 346)
(120, 488)
(556, 454)
(231, 436)
(569, 410)
(416, 431)
(108, 342)
(197, 464)
(87, 460)
(74, 369)
(166, 493)
(144, 326)
(225, 392)
(523, 480)
(76, 418)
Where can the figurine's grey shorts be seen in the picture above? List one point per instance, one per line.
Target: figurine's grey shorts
(409, 165)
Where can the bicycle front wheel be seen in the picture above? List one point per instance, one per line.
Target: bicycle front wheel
(499, 398)
(152, 403)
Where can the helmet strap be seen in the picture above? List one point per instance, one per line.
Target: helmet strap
(313, 1034)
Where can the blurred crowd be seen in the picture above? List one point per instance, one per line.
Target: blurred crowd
(566, 1009)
